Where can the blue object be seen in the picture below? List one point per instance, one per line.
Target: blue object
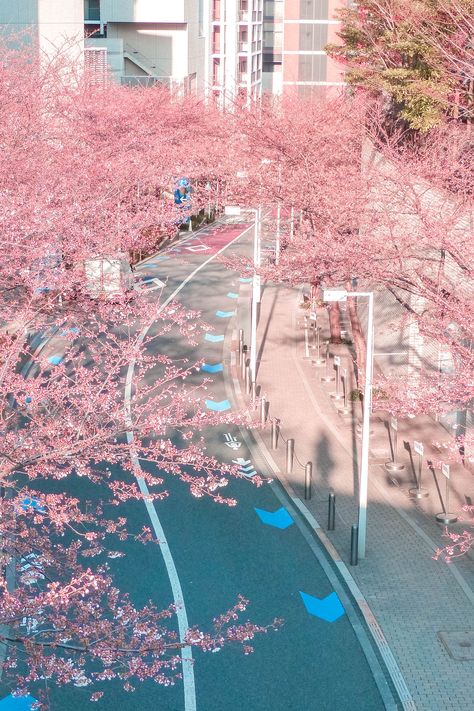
(329, 608)
(279, 519)
(213, 339)
(225, 314)
(246, 280)
(183, 183)
(17, 703)
(32, 503)
(207, 368)
(73, 329)
(232, 295)
(218, 406)
(28, 400)
(55, 359)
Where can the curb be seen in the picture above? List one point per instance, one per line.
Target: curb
(360, 603)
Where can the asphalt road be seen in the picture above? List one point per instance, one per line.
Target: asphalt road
(309, 664)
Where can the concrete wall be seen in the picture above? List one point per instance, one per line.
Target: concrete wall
(54, 22)
(143, 10)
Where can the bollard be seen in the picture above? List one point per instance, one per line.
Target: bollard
(253, 392)
(243, 361)
(445, 517)
(354, 544)
(328, 377)
(308, 476)
(290, 453)
(418, 492)
(241, 344)
(247, 377)
(394, 465)
(331, 512)
(344, 410)
(318, 360)
(275, 433)
(337, 365)
(263, 412)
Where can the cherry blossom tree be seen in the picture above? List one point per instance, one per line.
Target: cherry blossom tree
(82, 174)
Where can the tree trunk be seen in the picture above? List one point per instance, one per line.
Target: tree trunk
(358, 340)
(335, 322)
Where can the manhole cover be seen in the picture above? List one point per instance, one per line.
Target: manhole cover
(459, 645)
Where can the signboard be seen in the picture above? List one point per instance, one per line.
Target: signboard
(418, 447)
(394, 423)
(344, 373)
(337, 361)
(312, 316)
(232, 210)
(445, 470)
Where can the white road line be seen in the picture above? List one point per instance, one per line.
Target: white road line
(181, 614)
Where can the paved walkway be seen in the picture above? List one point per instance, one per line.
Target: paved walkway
(417, 601)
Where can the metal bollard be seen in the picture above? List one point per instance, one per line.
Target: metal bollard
(275, 429)
(308, 476)
(247, 377)
(354, 544)
(243, 361)
(331, 512)
(290, 453)
(263, 412)
(253, 392)
(241, 344)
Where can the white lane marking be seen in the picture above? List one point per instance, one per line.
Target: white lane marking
(181, 614)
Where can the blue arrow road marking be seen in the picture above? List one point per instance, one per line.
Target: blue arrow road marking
(32, 503)
(74, 329)
(212, 368)
(279, 519)
(17, 703)
(225, 314)
(232, 295)
(245, 280)
(213, 339)
(218, 406)
(328, 608)
(55, 359)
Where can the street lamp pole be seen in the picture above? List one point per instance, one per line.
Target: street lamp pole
(256, 295)
(341, 295)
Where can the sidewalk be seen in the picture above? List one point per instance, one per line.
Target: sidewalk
(424, 607)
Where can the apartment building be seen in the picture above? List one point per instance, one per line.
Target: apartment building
(236, 49)
(55, 24)
(295, 33)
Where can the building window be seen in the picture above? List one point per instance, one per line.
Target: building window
(314, 9)
(312, 68)
(92, 10)
(313, 37)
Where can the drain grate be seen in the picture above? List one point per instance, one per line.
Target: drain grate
(458, 644)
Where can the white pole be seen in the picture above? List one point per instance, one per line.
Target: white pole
(364, 465)
(277, 243)
(255, 300)
(259, 250)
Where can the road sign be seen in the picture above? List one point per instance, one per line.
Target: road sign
(445, 470)
(312, 316)
(418, 447)
(394, 423)
(337, 360)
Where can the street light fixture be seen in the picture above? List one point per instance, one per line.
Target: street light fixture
(236, 210)
(341, 295)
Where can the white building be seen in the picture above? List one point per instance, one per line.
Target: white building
(55, 24)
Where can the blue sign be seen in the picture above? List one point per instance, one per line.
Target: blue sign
(279, 519)
(212, 368)
(225, 314)
(328, 608)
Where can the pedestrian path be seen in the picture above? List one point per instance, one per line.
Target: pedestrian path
(424, 607)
